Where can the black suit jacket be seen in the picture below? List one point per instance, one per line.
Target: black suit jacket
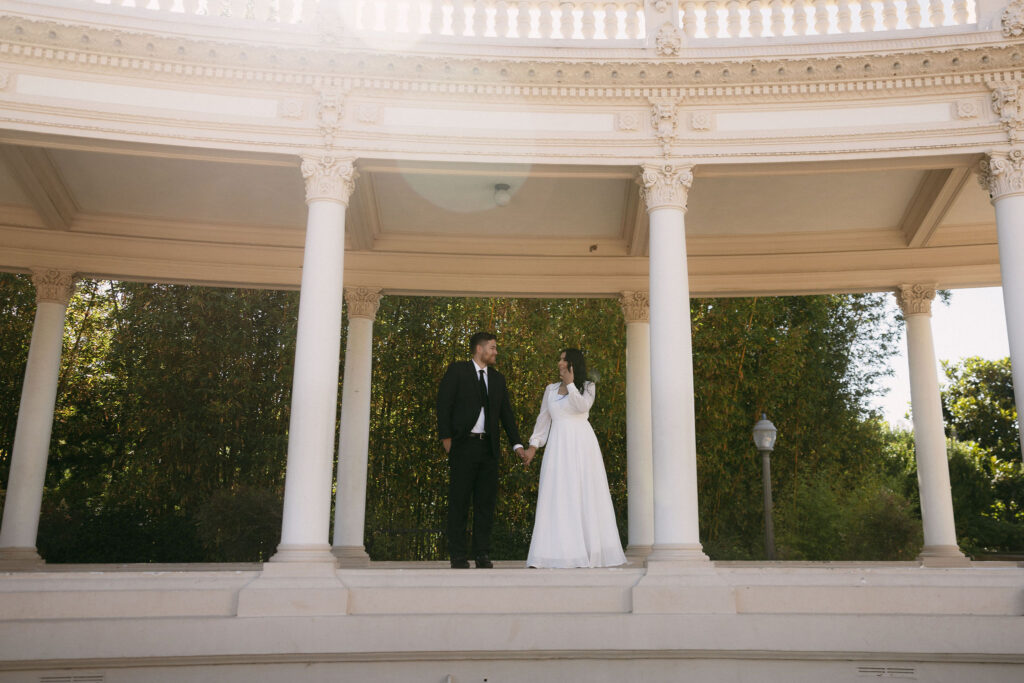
(459, 403)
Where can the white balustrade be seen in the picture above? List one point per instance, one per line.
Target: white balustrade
(590, 21)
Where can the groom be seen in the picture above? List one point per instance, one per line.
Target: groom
(471, 400)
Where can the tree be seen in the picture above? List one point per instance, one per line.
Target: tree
(978, 405)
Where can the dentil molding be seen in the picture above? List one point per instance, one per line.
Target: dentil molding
(1002, 173)
(915, 299)
(665, 185)
(328, 177)
(636, 307)
(54, 286)
(362, 302)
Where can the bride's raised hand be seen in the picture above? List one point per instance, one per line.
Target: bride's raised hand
(567, 376)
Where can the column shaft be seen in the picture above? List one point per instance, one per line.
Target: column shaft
(940, 546)
(305, 527)
(35, 420)
(1010, 228)
(354, 437)
(639, 467)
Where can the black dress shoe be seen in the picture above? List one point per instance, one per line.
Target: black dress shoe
(484, 562)
(460, 563)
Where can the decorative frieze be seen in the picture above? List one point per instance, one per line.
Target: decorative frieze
(55, 286)
(636, 307)
(1002, 173)
(1007, 104)
(666, 185)
(362, 302)
(915, 299)
(328, 177)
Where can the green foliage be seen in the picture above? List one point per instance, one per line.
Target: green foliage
(17, 312)
(241, 524)
(978, 405)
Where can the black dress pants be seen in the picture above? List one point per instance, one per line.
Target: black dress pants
(473, 474)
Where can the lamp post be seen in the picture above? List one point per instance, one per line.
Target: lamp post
(764, 439)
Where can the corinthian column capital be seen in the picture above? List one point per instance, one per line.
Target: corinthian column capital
(1002, 173)
(915, 299)
(636, 307)
(362, 302)
(55, 286)
(328, 177)
(666, 185)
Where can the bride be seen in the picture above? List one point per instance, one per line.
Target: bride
(575, 523)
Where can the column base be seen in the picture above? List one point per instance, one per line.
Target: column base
(351, 556)
(14, 558)
(682, 580)
(942, 556)
(317, 553)
(293, 589)
(637, 554)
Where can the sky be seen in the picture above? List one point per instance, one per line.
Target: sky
(973, 324)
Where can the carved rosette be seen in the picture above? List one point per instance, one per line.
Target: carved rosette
(1013, 19)
(665, 185)
(915, 299)
(1002, 174)
(328, 178)
(1007, 104)
(54, 286)
(636, 307)
(362, 302)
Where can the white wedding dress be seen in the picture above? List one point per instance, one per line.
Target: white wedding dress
(575, 523)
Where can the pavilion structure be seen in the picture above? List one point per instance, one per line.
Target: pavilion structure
(648, 151)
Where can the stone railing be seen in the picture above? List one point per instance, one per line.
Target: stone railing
(610, 23)
(704, 19)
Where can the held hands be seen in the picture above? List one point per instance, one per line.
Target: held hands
(527, 454)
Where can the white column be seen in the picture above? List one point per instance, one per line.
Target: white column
(1003, 176)
(639, 468)
(305, 527)
(676, 530)
(354, 439)
(35, 418)
(940, 546)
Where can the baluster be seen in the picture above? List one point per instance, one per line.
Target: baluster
(690, 19)
(913, 14)
(632, 21)
(414, 17)
(479, 18)
(800, 17)
(390, 11)
(711, 22)
(523, 20)
(889, 15)
(565, 20)
(732, 26)
(756, 19)
(501, 19)
(867, 15)
(844, 16)
(545, 24)
(436, 18)
(589, 23)
(936, 13)
(611, 21)
(821, 17)
(960, 12)
(777, 17)
(458, 18)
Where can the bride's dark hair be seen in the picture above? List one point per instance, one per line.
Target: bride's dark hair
(575, 360)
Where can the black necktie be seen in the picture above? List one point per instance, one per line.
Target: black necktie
(483, 389)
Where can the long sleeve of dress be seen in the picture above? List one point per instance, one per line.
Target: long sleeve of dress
(543, 424)
(581, 403)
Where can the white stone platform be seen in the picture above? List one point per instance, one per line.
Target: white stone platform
(424, 622)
